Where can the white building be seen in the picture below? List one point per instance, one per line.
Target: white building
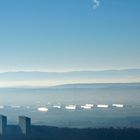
(102, 106)
(70, 107)
(86, 107)
(118, 105)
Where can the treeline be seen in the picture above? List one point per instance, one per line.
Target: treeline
(54, 133)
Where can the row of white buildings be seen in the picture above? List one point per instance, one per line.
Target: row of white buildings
(86, 106)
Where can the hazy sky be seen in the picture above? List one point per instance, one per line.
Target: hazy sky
(61, 35)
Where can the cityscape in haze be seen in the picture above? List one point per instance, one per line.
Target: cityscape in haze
(69, 65)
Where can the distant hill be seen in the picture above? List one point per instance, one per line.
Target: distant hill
(100, 85)
(35, 78)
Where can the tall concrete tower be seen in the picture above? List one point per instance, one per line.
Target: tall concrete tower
(3, 124)
(24, 124)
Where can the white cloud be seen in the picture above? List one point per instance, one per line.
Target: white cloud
(96, 3)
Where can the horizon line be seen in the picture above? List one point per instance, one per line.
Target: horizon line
(68, 71)
(59, 85)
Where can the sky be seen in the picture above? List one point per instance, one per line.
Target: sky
(69, 35)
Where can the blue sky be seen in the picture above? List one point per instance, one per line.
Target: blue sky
(65, 35)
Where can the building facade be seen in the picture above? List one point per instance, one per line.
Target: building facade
(24, 124)
(3, 124)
